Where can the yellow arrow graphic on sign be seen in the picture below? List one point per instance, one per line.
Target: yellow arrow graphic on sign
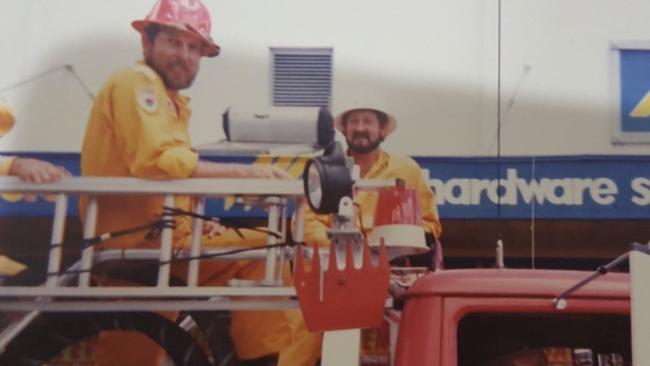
(642, 109)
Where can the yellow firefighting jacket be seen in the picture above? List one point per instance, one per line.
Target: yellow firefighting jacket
(7, 120)
(137, 128)
(386, 167)
(5, 164)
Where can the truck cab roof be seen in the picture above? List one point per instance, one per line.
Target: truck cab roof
(518, 283)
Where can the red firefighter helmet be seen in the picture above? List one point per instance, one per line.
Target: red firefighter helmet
(189, 15)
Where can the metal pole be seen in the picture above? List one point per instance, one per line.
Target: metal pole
(166, 246)
(14, 330)
(560, 300)
(299, 234)
(193, 274)
(271, 254)
(341, 347)
(299, 228)
(640, 303)
(283, 250)
(56, 243)
(499, 254)
(88, 251)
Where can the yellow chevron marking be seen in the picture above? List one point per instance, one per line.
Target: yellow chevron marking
(284, 162)
(18, 197)
(298, 166)
(228, 202)
(642, 110)
(11, 197)
(264, 159)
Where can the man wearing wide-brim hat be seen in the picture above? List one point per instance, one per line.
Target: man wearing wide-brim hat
(365, 128)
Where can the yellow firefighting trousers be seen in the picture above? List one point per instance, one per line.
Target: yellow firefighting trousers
(254, 333)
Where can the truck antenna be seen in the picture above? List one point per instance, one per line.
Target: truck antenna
(498, 167)
(532, 221)
(560, 301)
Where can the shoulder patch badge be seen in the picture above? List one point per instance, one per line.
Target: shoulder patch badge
(147, 99)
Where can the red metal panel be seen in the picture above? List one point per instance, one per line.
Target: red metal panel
(418, 343)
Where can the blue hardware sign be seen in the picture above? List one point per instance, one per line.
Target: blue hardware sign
(558, 187)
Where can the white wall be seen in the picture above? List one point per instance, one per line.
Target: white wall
(430, 62)
(563, 103)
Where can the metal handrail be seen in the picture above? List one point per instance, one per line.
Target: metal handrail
(273, 194)
(209, 187)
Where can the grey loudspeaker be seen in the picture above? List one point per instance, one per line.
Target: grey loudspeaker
(298, 125)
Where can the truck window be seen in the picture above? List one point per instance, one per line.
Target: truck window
(488, 339)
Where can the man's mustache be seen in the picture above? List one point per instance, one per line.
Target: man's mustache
(360, 134)
(182, 65)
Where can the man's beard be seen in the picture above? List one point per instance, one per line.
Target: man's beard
(167, 80)
(363, 149)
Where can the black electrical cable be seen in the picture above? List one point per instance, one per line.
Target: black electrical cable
(155, 228)
(177, 258)
(171, 211)
(90, 94)
(67, 67)
(229, 252)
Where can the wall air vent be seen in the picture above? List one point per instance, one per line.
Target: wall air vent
(302, 77)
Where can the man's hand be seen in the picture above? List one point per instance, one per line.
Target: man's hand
(37, 171)
(212, 228)
(266, 171)
(208, 169)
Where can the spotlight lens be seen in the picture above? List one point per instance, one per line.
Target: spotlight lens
(315, 190)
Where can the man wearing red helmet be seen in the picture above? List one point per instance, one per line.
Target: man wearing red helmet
(139, 127)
